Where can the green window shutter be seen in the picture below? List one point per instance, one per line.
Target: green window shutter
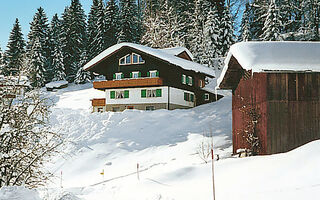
(122, 75)
(148, 74)
(159, 92)
(143, 93)
(114, 76)
(192, 98)
(192, 81)
(187, 80)
(186, 96)
(130, 74)
(182, 78)
(157, 73)
(112, 94)
(139, 74)
(126, 94)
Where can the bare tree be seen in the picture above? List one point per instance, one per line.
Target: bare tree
(205, 146)
(26, 142)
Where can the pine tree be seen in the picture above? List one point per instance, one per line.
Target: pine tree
(245, 34)
(272, 25)
(312, 14)
(82, 76)
(1, 61)
(38, 48)
(211, 39)
(112, 23)
(73, 38)
(257, 18)
(15, 51)
(128, 30)
(58, 70)
(226, 31)
(197, 35)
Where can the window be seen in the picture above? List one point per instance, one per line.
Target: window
(200, 83)
(130, 107)
(183, 79)
(153, 74)
(150, 108)
(131, 59)
(206, 97)
(135, 74)
(188, 97)
(100, 109)
(119, 94)
(151, 93)
(118, 76)
(115, 109)
(190, 81)
(135, 59)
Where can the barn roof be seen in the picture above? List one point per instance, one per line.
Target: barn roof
(168, 55)
(271, 57)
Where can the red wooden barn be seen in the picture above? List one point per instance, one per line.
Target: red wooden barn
(276, 94)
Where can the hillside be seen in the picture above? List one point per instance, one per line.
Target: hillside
(165, 144)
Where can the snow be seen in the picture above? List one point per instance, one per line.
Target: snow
(18, 193)
(275, 56)
(159, 53)
(165, 144)
(177, 50)
(56, 84)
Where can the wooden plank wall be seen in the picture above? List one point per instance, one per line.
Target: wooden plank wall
(251, 91)
(293, 110)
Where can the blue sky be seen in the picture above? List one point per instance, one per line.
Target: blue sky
(24, 10)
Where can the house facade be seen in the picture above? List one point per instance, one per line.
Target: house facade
(276, 95)
(139, 77)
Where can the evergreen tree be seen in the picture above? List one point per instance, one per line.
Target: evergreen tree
(312, 14)
(196, 33)
(58, 70)
(257, 18)
(73, 38)
(128, 30)
(1, 61)
(112, 23)
(272, 25)
(211, 39)
(37, 61)
(226, 32)
(15, 51)
(245, 34)
(97, 31)
(82, 76)
(39, 44)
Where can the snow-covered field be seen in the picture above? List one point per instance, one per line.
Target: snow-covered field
(164, 144)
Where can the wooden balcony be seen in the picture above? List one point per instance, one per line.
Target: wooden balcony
(98, 102)
(127, 83)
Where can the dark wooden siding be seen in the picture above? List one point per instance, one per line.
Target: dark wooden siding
(251, 92)
(170, 74)
(293, 110)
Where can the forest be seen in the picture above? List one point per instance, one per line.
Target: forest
(57, 49)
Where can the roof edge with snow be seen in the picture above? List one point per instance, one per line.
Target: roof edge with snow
(169, 57)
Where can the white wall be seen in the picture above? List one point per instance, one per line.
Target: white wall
(135, 96)
(176, 97)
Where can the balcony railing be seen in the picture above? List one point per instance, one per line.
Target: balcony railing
(127, 83)
(98, 102)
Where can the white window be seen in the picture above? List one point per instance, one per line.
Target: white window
(200, 83)
(150, 108)
(119, 76)
(131, 59)
(184, 79)
(206, 97)
(153, 73)
(135, 74)
(119, 94)
(151, 93)
(190, 80)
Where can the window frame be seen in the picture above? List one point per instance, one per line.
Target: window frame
(190, 80)
(140, 60)
(206, 95)
(119, 73)
(135, 72)
(153, 108)
(153, 71)
(184, 79)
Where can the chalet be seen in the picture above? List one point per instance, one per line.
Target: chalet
(276, 94)
(144, 78)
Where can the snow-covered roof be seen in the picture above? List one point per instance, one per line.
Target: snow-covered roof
(274, 56)
(177, 50)
(159, 53)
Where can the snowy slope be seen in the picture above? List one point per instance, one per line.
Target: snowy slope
(165, 143)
